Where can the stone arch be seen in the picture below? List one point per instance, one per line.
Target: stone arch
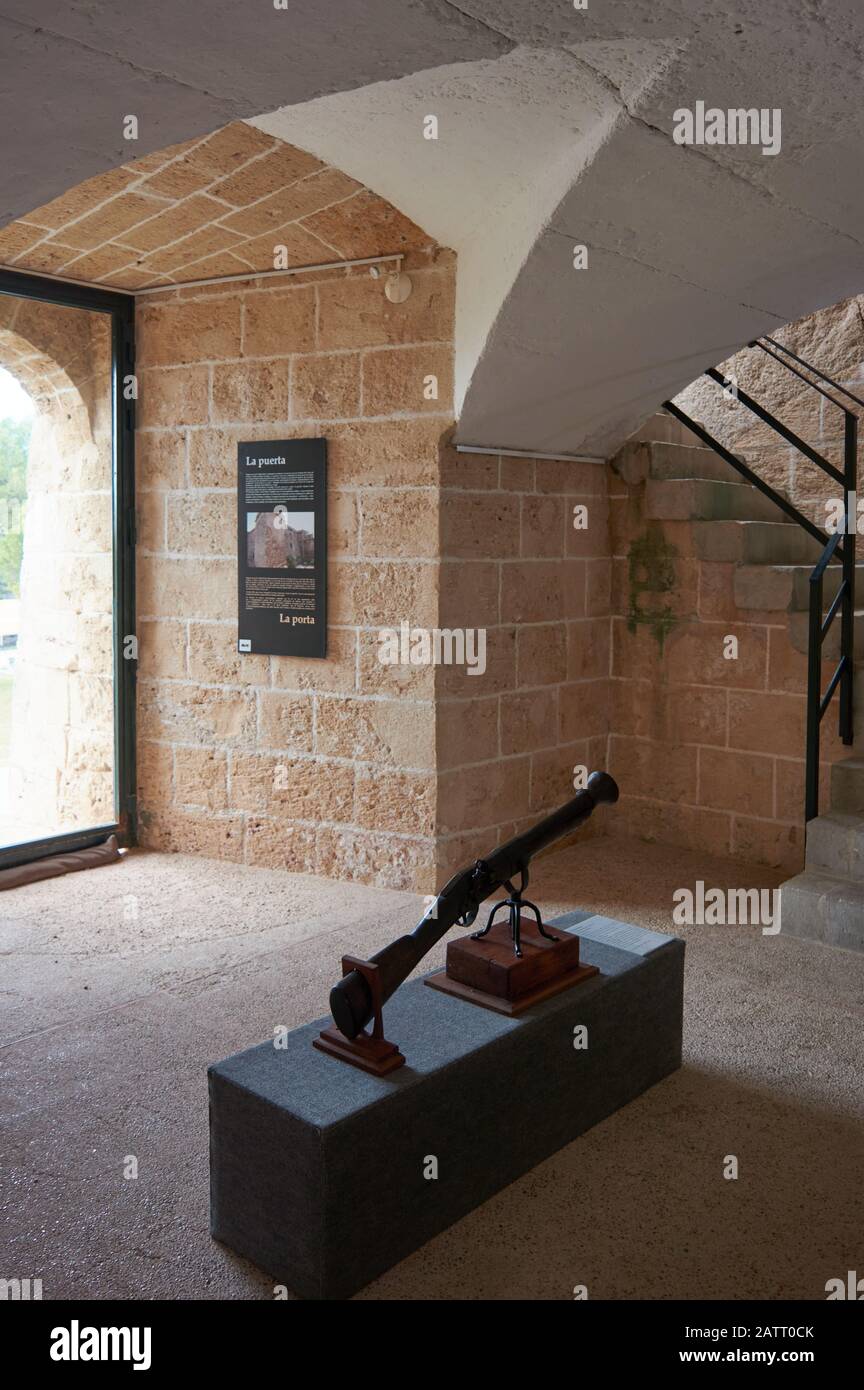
(60, 772)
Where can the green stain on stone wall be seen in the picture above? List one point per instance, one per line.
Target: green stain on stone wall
(651, 577)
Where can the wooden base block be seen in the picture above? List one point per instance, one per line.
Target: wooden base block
(375, 1055)
(489, 973)
(511, 1007)
(491, 966)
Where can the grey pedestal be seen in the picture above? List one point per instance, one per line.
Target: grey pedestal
(317, 1170)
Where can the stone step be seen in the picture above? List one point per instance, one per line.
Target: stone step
(637, 461)
(823, 907)
(830, 585)
(799, 628)
(689, 461)
(754, 543)
(663, 429)
(786, 588)
(695, 499)
(847, 786)
(835, 845)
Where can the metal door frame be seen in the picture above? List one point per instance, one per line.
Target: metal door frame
(121, 308)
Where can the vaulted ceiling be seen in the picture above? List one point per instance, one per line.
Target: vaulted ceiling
(203, 209)
(555, 129)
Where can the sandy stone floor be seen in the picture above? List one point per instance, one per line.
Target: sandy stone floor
(121, 984)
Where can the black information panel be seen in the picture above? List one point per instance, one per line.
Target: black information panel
(282, 547)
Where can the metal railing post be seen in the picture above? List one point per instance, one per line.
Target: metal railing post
(814, 698)
(847, 619)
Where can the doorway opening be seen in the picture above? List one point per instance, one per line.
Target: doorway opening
(67, 646)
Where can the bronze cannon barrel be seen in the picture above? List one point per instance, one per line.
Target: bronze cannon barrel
(459, 900)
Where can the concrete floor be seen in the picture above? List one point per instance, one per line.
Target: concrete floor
(121, 984)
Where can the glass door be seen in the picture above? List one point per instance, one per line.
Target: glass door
(67, 644)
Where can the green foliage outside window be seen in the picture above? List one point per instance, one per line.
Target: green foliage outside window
(14, 445)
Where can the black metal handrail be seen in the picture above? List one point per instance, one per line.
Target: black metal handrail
(840, 545)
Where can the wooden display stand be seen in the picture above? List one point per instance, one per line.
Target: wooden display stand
(369, 1051)
(485, 969)
(507, 966)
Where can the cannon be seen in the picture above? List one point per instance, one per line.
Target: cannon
(358, 998)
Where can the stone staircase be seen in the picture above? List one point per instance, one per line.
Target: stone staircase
(826, 902)
(733, 522)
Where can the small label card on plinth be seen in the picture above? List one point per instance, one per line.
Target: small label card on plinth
(282, 547)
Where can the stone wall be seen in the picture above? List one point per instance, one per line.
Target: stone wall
(512, 562)
(709, 751)
(833, 341)
(392, 774)
(397, 774)
(61, 758)
(712, 751)
(319, 766)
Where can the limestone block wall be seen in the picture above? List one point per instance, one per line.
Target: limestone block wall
(61, 756)
(713, 748)
(318, 766)
(833, 340)
(398, 774)
(512, 562)
(709, 752)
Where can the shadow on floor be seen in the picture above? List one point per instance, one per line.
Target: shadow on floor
(111, 1021)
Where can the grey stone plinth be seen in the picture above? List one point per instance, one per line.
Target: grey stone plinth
(317, 1169)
